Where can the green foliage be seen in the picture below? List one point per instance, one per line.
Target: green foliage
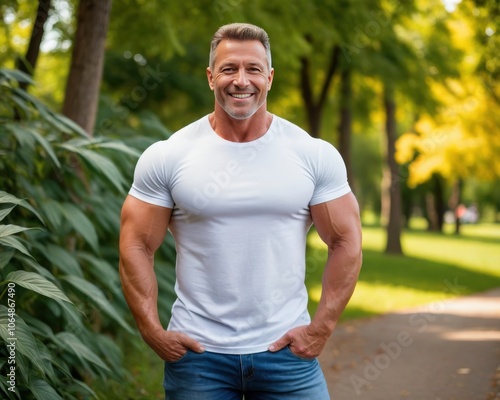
(59, 209)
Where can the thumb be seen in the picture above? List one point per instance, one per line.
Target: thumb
(281, 343)
(192, 344)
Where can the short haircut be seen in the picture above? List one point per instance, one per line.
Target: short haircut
(240, 31)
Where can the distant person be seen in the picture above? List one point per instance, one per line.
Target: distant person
(239, 190)
(470, 215)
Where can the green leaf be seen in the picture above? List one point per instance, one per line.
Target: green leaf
(79, 387)
(28, 98)
(16, 75)
(25, 343)
(47, 146)
(31, 262)
(4, 387)
(28, 136)
(97, 296)
(102, 164)
(71, 343)
(38, 284)
(111, 351)
(73, 317)
(81, 224)
(102, 270)
(9, 230)
(6, 198)
(5, 212)
(52, 119)
(119, 146)
(38, 327)
(52, 211)
(72, 125)
(23, 135)
(5, 257)
(63, 260)
(15, 243)
(49, 359)
(23, 105)
(43, 391)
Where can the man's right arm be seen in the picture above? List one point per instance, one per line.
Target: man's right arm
(143, 228)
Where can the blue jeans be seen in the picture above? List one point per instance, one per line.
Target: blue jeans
(261, 376)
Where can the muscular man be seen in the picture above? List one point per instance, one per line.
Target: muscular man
(239, 189)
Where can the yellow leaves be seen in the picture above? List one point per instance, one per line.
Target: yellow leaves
(406, 147)
(425, 149)
(461, 141)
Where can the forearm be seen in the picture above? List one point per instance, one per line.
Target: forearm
(339, 280)
(141, 292)
(140, 289)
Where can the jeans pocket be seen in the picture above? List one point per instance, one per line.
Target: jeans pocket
(290, 352)
(179, 360)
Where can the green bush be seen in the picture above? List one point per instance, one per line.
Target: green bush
(61, 196)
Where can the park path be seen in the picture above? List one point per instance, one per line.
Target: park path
(448, 350)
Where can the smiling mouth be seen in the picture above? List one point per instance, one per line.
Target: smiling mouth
(241, 95)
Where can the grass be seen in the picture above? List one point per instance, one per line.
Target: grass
(145, 375)
(434, 267)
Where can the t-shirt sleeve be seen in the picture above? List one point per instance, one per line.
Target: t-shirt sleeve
(331, 175)
(150, 177)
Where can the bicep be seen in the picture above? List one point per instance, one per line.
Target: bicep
(338, 221)
(143, 225)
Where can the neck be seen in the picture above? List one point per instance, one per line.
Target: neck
(240, 130)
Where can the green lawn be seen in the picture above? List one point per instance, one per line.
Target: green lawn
(434, 267)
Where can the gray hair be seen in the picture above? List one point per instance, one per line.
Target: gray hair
(239, 31)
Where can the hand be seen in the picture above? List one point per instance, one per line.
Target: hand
(303, 342)
(170, 345)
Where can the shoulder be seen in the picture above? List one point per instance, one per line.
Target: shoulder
(300, 139)
(291, 130)
(180, 139)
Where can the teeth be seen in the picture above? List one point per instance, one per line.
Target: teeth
(241, 96)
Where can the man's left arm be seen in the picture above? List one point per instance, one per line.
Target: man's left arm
(338, 224)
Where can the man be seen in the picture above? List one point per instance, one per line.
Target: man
(239, 190)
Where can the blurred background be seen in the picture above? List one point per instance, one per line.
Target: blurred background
(406, 90)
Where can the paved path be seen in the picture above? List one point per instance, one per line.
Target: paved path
(448, 350)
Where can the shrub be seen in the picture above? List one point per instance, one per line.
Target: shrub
(61, 196)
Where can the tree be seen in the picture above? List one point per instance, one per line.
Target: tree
(28, 63)
(84, 80)
(315, 105)
(459, 143)
(345, 121)
(392, 184)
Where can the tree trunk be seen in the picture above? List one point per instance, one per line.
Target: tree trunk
(345, 123)
(394, 187)
(28, 63)
(314, 107)
(455, 201)
(432, 217)
(435, 205)
(439, 201)
(84, 80)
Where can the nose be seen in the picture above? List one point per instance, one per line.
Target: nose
(241, 79)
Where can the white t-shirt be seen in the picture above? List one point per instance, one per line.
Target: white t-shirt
(240, 218)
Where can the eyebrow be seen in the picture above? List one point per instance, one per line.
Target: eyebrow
(250, 64)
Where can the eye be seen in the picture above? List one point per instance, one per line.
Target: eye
(227, 70)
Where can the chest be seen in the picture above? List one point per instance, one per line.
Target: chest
(222, 181)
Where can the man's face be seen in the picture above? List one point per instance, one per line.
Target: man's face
(241, 77)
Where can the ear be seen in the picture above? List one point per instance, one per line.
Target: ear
(270, 79)
(210, 78)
